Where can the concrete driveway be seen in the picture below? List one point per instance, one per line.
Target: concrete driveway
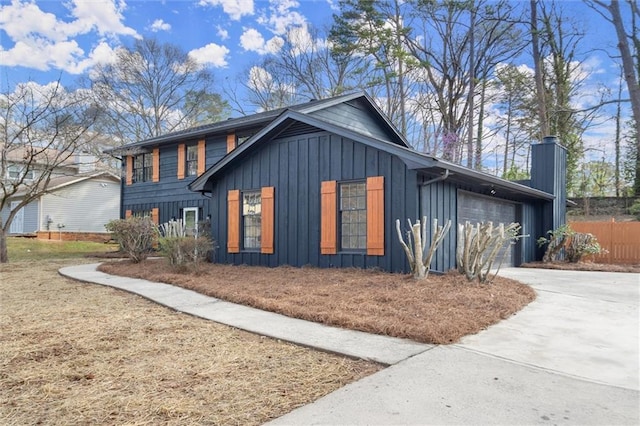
(570, 357)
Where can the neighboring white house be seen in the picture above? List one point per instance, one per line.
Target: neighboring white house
(79, 200)
(80, 203)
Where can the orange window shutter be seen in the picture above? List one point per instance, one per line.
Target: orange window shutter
(128, 214)
(328, 218)
(181, 160)
(233, 221)
(375, 216)
(129, 168)
(201, 156)
(268, 219)
(231, 142)
(156, 164)
(155, 215)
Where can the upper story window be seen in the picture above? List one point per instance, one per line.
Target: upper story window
(192, 160)
(353, 216)
(252, 219)
(16, 172)
(143, 167)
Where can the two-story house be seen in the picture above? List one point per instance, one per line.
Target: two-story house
(76, 204)
(322, 183)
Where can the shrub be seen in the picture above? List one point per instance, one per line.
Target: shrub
(576, 245)
(183, 249)
(635, 209)
(581, 245)
(135, 236)
(555, 243)
(479, 246)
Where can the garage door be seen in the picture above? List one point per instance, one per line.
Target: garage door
(476, 208)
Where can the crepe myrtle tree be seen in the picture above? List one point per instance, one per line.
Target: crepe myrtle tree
(41, 130)
(416, 246)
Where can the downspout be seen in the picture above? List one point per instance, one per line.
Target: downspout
(437, 179)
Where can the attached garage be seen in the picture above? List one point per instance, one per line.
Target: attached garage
(476, 208)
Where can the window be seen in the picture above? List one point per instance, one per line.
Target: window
(252, 220)
(192, 160)
(190, 220)
(16, 173)
(143, 167)
(353, 216)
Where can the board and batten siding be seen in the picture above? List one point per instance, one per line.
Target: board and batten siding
(353, 118)
(85, 206)
(170, 194)
(296, 168)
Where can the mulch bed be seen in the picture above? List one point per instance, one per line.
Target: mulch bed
(440, 310)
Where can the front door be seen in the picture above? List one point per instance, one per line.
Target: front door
(190, 220)
(17, 226)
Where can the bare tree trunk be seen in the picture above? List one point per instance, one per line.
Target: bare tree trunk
(4, 255)
(472, 87)
(537, 60)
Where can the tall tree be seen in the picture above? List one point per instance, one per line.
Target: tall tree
(41, 130)
(304, 68)
(441, 42)
(152, 89)
(376, 30)
(612, 13)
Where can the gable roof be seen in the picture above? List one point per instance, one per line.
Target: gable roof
(413, 159)
(60, 182)
(264, 118)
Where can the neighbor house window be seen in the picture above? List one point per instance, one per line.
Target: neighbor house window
(353, 216)
(192, 160)
(143, 167)
(252, 220)
(17, 172)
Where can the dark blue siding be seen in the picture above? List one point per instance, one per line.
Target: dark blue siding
(171, 194)
(439, 201)
(296, 166)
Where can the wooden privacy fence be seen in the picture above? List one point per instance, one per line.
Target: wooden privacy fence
(621, 239)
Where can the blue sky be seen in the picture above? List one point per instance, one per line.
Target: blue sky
(46, 40)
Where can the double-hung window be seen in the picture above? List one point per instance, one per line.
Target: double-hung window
(252, 220)
(353, 216)
(192, 160)
(143, 167)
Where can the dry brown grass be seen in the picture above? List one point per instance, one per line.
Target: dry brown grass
(440, 310)
(73, 353)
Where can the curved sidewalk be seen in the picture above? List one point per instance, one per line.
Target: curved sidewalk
(356, 344)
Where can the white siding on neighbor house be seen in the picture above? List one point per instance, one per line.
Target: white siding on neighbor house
(30, 218)
(85, 206)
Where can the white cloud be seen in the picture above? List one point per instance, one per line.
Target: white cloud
(281, 17)
(211, 54)
(159, 25)
(251, 40)
(274, 45)
(105, 16)
(222, 33)
(234, 8)
(260, 79)
(42, 41)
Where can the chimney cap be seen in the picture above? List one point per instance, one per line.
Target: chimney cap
(550, 139)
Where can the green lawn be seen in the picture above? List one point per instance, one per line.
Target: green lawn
(21, 249)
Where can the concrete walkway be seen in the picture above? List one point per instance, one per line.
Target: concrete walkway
(382, 349)
(570, 357)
